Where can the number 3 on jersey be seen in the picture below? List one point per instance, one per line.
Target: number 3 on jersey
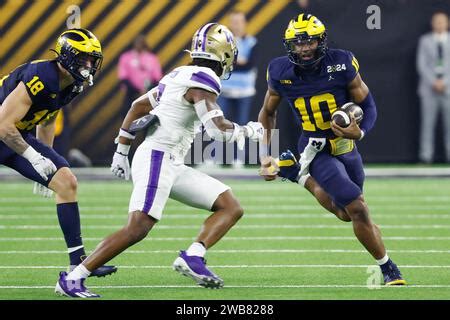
(35, 85)
(315, 102)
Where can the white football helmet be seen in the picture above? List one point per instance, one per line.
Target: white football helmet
(214, 41)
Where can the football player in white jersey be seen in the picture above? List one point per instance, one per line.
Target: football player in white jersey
(183, 97)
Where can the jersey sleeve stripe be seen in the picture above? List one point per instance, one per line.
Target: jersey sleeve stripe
(206, 79)
(355, 64)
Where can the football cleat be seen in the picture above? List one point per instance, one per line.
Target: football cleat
(391, 274)
(289, 168)
(102, 271)
(195, 268)
(73, 288)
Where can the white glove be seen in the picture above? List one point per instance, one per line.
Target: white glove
(42, 190)
(254, 131)
(41, 164)
(120, 165)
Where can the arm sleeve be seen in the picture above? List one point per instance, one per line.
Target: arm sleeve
(370, 113)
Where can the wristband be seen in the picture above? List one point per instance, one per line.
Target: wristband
(124, 133)
(123, 149)
(30, 153)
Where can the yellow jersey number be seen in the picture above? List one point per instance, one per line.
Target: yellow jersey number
(314, 102)
(35, 85)
(39, 117)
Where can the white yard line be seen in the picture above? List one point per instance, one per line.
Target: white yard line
(399, 207)
(244, 266)
(243, 251)
(250, 227)
(203, 214)
(274, 238)
(294, 199)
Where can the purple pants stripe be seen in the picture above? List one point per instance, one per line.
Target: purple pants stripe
(152, 186)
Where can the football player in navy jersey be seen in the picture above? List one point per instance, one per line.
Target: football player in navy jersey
(31, 97)
(316, 80)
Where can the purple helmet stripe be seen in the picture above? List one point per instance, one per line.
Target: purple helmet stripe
(152, 186)
(206, 79)
(199, 34)
(204, 35)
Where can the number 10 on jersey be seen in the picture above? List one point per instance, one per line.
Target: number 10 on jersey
(314, 103)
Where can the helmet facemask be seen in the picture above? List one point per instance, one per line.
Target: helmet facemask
(79, 52)
(301, 33)
(301, 57)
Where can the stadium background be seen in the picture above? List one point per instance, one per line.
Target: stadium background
(386, 56)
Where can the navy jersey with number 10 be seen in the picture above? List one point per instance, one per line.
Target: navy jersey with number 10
(315, 95)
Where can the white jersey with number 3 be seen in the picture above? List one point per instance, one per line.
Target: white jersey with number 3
(178, 119)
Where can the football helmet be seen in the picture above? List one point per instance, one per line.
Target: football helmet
(214, 41)
(304, 29)
(80, 53)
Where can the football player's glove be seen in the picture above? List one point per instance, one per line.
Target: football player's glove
(41, 164)
(120, 165)
(39, 189)
(254, 130)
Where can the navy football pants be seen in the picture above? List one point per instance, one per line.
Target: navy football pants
(342, 177)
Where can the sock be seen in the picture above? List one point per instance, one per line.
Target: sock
(69, 220)
(196, 249)
(383, 260)
(80, 272)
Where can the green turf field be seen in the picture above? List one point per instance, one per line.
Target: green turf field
(285, 247)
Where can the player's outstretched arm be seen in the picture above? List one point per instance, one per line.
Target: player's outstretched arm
(216, 125)
(14, 108)
(268, 116)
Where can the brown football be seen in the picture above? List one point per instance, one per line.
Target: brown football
(342, 115)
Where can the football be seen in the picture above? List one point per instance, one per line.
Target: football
(342, 115)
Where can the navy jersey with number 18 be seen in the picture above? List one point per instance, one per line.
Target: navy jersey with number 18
(41, 79)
